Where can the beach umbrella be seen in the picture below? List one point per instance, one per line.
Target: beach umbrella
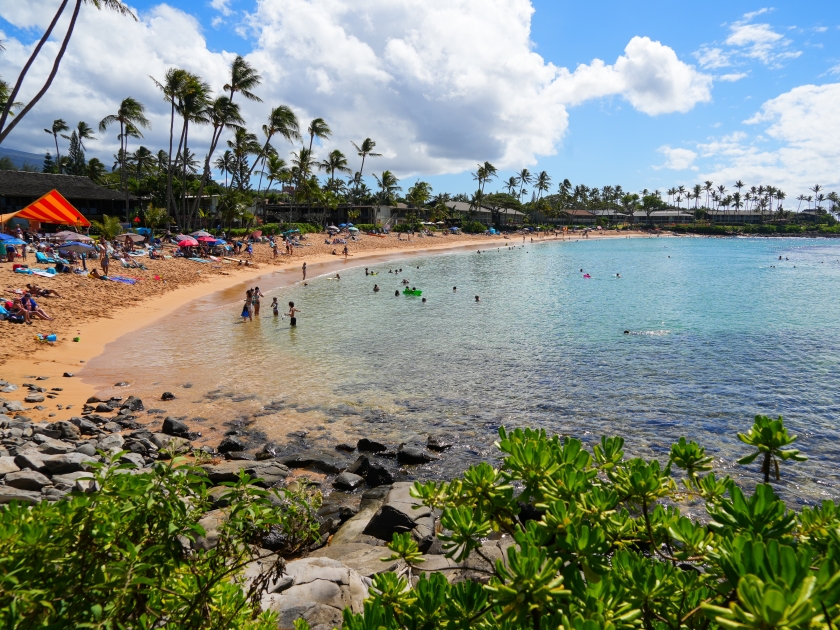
(67, 235)
(13, 241)
(134, 237)
(354, 229)
(6, 237)
(76, 248)
(200, 233)
(188, 242)
(341, 225)
(349, 225)
(256, 234)
(332, 227)
(206, 239)
(220, 241)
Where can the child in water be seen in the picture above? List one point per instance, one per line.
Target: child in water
(275, 307)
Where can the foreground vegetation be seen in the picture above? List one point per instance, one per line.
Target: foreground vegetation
(597, 541)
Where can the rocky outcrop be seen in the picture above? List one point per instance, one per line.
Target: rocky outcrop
(321, 588)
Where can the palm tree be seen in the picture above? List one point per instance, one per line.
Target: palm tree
(83, 132)
(543, 182)
(419, 194)
(283, 122)
(131, 115)
(5, 130)
(226, 164)
(57, 127)
(5, 91)
(193, 106)
(363, 151)
(242, 145)
(318, 128)
(108, 228)
(95, 170)
(388, 187)
(243, 78)
(815, 189)
(707, 186)
(222, 114)
(335, 161)
(524, 177)
(174, 83)
(511, 185)
(275, 167)
(143, 161)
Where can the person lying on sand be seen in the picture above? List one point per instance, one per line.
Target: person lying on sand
(37, 291)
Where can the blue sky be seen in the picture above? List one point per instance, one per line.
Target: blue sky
(766, 126)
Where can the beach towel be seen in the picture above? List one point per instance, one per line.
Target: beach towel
(28, 272)
(43, 273)
(200, 260)
(122, 279)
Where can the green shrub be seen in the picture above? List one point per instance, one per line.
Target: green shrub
(473, 227)
(119, 557)
(598, 542)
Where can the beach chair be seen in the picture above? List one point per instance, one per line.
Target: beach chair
(42, 258)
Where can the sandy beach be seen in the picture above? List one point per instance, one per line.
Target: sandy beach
(99, 312)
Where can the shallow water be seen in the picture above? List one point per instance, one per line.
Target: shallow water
(720, 330)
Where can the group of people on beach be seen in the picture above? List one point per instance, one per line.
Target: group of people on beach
(23, 308)
(252, 306)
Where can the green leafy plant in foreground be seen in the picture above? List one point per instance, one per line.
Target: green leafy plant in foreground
(123, 556)
(769, 437)
(597, 541)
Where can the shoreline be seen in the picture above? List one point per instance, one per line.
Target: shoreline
(53, 361)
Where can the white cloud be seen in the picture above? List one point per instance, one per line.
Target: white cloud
(796, 148)
(439, 84)
(735, 76)
(677, 159)
(761, 42)
(753, 14)
(834, 69)
(712, 58)
(222, 6)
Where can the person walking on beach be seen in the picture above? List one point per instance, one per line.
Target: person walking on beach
(304, 271)
(346, 252)
(103, 257)
(293, 314)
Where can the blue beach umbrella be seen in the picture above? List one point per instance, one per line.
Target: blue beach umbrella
(13, 241)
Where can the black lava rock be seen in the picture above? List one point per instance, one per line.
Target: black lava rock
(439, 442)
(360, 466)
(414, 455)
(347, 448)
(231, 443)
(370, 446)
(133, 403)
(348, 481)
(378, 475)
(171, 426)
(167, 396)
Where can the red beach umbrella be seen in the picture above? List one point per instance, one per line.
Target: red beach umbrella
(188, 242)
(206, 239)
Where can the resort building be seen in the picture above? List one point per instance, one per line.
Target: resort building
(660, 217)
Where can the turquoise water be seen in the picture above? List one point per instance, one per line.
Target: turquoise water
(720, 330)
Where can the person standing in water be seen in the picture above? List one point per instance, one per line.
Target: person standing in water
(257, 295)
(293, 314)
(304, 271)
(246, 308)
(275, 307)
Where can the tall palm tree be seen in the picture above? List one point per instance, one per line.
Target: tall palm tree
(815, 189)
(524, 177)
(242, 145)
(131, 116)
(83, 132)
(58, 126)
(281, 122)
(226, 164)
(95, 170)
(364, 151)
(335, 161)
(173, 85)
(543, 183)
(318, 128)
(243, 79)
(707, 186)
(275, 167)
(193, 108)
(511, 185)
(222, 114)
(6, 129)
(388, 187)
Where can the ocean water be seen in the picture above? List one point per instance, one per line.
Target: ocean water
(719, 330)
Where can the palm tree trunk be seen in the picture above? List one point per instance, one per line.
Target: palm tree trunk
(57, 155)
(6, 131)
(184, 168)
(123, 177)
(217, 133)
(179, 157)
(169, 161)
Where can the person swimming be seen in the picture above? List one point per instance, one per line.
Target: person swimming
(396, 292)
(454, 289)
(477, 299)
(423, 300)
(375, 288)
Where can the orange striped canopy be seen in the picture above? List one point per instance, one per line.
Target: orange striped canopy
(53, 208)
